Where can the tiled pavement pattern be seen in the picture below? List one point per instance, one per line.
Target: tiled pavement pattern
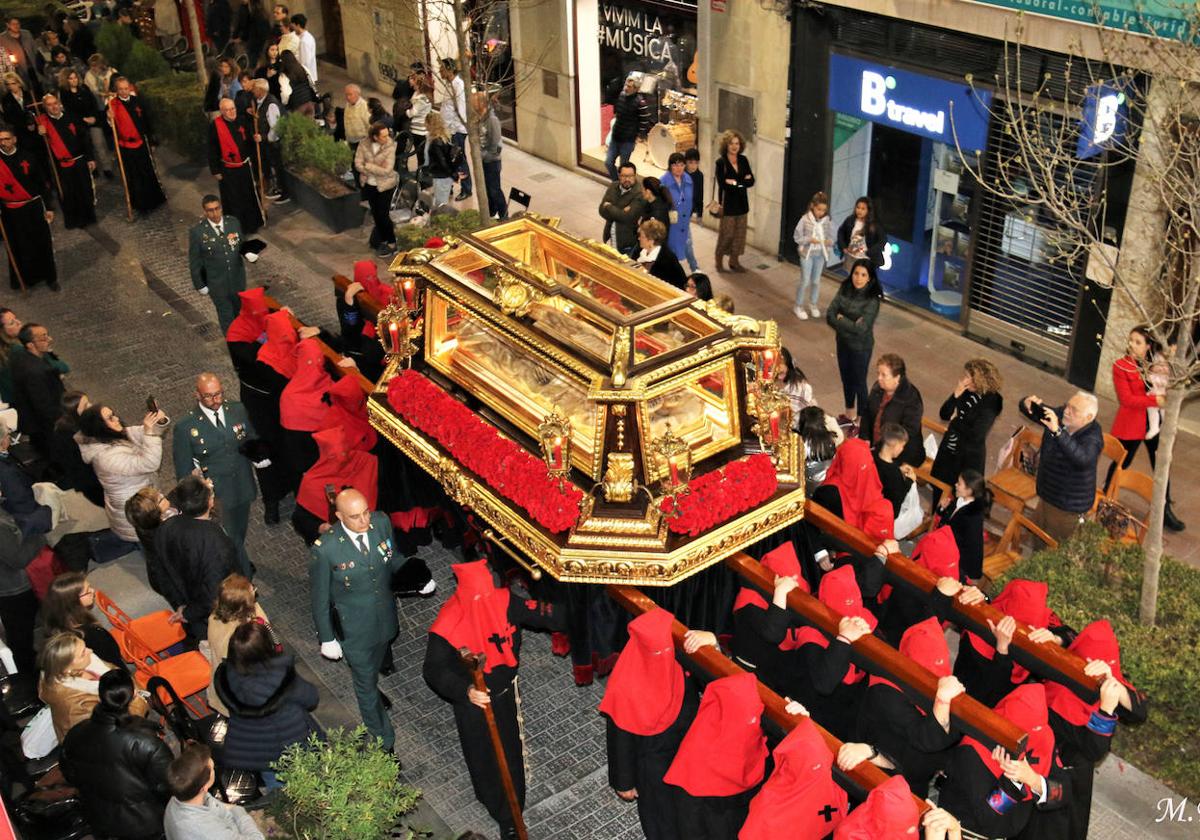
(129, 323)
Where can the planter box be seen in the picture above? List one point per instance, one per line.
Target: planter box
(337, 214)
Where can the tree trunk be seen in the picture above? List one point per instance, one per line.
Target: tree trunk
(197, 47)
(466, 64)
(1153, 543)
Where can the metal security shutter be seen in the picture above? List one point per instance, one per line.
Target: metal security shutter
(1024, 288)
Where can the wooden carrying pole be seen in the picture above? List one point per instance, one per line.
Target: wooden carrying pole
(859, 781)
(366, 302)
(112, 121)
(12, 258)
(44, 131)
(262, 183)
(881, 659)
(474, 664)
(328, 352)
(1046, 660)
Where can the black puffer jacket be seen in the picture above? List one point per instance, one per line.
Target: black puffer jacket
(268, 711)
(1066, 476)
(631, 118)
(121, 773)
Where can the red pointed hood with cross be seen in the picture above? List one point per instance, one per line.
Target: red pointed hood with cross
(476, 616)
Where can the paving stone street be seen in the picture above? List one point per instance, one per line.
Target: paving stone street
(130, 324)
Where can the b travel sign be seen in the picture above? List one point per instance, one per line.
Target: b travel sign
(1105, 113)
(912, 102)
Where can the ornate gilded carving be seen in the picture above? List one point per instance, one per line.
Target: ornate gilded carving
(513, 295)
(618, 477)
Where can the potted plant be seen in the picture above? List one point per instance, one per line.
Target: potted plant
(314, 166)
(342, 788)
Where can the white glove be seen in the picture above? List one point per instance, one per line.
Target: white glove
(263, 464)
(204, 290)
(331, 649)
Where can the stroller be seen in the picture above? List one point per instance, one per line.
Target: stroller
(412, 201)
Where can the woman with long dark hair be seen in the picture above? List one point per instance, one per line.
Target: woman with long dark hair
(67, 608)
(852, 314)
(295, 87)
(658, 203)
(965, 514)
(270, 68)
(125, 458)
(860, 236)
(67, 468)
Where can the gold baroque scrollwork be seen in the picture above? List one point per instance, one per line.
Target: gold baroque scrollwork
(513, 295)
(618, 477)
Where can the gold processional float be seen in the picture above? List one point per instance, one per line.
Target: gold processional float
(608, 427)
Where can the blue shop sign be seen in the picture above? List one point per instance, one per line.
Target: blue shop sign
(912, 102)
(1105, 113)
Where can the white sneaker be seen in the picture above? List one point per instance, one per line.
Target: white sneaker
(816, 313)
(799, 312)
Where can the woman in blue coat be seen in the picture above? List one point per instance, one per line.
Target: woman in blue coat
(679, 185)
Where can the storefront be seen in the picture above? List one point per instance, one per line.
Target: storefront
(895, 134)
(656, 43)
(881, 107)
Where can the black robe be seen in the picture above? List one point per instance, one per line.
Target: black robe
(915, 742)
(446, 675)
(239, 188)
(30, 248)
(141, 179)
(641, 761)
(1081, 749)
(816, 680)
(261, 386)
(77, 192)
(996, 807)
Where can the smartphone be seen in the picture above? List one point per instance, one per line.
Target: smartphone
(151, 404)
(1046, 412)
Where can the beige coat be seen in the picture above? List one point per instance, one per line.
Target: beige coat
(380, 165)
(123, 468)
(69, 706)
(218, 648)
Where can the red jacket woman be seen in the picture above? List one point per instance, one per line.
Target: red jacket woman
(1130, 422)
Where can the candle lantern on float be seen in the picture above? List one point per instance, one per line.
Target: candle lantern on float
(554, 435)
(675, 458)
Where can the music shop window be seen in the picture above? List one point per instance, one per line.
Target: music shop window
(652, 44)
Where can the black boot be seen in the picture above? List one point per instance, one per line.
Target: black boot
(1170, 520)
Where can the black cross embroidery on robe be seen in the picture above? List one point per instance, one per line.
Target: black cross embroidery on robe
(499, 641)
(827, 812)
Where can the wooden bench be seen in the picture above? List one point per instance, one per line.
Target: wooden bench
(859, 781)
(877, 657)
(1046, 660)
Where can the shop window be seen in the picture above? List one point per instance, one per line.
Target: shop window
(655, 45)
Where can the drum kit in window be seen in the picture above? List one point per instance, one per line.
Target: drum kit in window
(678, 134)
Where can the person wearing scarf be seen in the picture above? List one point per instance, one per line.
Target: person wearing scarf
(825, 681)
(1084, 730)
(128, 113)
(914, 742)
(487, 620)
(27, 210)
(995, 794)
(231, 152)
(800, 800)
(72, 159)
(986, 670)
(338, 466)
(649, 703)
(852, 490)
(304, 404)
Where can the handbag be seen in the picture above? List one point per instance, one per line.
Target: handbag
(715, 208)
(37, 738)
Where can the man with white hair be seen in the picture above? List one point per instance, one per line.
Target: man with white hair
(1066, 474)
(356, 118)
(230, 159)
(265, 111)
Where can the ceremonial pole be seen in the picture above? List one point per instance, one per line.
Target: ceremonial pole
(112, 120)
(12, 258)
(262, 178)
(474, 665)
(45, 132)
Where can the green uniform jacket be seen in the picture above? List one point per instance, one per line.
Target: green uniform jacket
(358, 587)
(197, 439)
(216, 261)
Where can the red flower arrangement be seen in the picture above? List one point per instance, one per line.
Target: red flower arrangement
(722, 494)
(501, 463)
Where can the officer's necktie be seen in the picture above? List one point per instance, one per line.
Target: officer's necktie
(220, 422)
(362, 544)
